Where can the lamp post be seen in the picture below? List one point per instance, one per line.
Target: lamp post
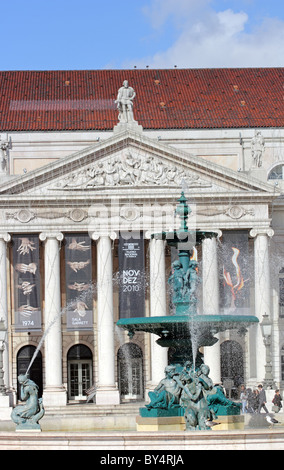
(2, 347)
(266, 329)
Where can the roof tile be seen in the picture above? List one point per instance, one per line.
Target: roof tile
(193, 98)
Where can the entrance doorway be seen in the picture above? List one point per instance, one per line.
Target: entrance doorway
(130, 372)
(24, 357)
(80, 367)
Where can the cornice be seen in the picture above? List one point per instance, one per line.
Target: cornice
(217, 174)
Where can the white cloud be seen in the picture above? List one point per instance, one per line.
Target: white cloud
(178, 11)
(207, 38)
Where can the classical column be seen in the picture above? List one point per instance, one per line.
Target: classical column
(107, 392)
(262, 292)
(54, 393)
(210, 282)
(4, 400)
(158, 307)
(4, 239)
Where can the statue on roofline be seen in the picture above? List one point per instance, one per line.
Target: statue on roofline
(257, 149)
(124, 101)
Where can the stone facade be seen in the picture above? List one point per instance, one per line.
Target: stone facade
(100, 182)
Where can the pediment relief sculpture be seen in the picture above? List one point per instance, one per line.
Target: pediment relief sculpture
(130, 170)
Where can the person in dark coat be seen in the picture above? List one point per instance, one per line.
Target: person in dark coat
(251, 401)
(277, 401)
(262, 399)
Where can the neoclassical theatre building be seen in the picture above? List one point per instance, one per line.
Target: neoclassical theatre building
(92, 163)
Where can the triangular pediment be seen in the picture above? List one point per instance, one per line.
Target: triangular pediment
(130, 161)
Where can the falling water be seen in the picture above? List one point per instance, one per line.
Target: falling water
(82, 297)
(194, 338)
(116, 280)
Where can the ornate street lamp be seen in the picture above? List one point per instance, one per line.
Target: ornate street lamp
(2, 347)
(266, 329)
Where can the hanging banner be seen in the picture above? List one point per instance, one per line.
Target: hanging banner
(78, 270)
(26, 282)
(235, 294)
(131, 275)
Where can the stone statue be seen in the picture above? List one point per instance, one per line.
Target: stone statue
(27, 416)
(124, 101)
(184, 285)
(192, 281)
(218, 402)
(192, 390)
(193, 397)
(4, 146)
(167, 393)
(177, 281)
(257, 149)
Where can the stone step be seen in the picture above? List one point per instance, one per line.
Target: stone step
(91, 409)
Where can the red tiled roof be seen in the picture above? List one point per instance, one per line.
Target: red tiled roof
(165, 99)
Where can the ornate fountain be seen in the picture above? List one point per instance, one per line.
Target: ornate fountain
(187, 388)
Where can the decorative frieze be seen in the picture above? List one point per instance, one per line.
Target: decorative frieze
(25, 215)
(131, 169)
(234, 212)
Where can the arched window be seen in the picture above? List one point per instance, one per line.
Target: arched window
(24, 357)
(80, 367)
(232, 363)
(130, 371)
(277, 173)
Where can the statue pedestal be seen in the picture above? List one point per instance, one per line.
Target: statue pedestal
(171, 423)
(230, 423)
(157, 419)
(127, 126)
(258, 173)
(107, 396)
(53, 397)
(28, 427)
(5, 408)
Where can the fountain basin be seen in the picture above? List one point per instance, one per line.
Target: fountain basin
(178, 328)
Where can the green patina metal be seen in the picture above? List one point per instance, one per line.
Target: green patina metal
(187, 389)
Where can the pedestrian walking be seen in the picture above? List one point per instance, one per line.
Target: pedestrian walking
(244, 399)
(251, 401)
(277, 405)
(262, 399)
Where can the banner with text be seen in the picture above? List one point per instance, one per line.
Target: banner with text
(132, 277)
(236, 272)
(26, 282)
(78, 270)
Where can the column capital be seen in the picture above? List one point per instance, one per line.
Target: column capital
(46, 235)
(5, 236)
(216, 231)
(268, 231)
(97, 235)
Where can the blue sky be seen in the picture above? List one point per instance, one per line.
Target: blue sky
(96, 34)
